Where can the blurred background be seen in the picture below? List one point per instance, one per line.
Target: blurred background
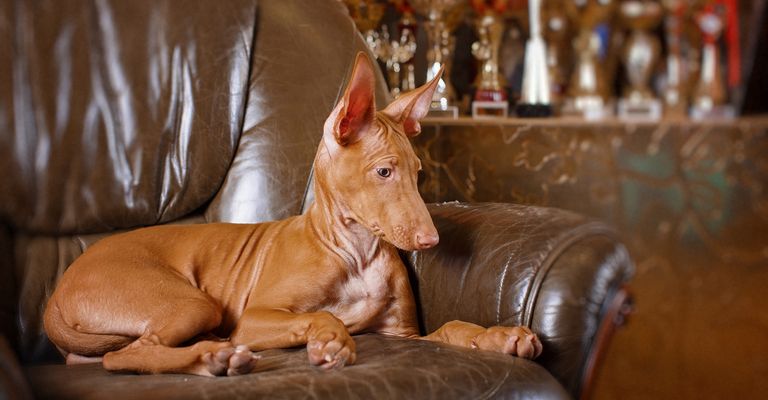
(684, 54)
(656, 123)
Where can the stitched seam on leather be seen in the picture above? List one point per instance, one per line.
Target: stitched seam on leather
(244, 110)
(563, 242)
(502, 282)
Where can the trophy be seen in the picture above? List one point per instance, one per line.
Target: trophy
(640, 55)
(442, 18)
(367, 15)
(536, 95)
(556, 35)
(588, 88)
(396, 54)
(490, 97)
(709, 97)
(407, 26)
(674, 92)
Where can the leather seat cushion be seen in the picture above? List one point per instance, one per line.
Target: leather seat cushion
(387, 367)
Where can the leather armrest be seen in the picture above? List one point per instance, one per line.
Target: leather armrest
(505, 264)
(8, 301)
(13, 385)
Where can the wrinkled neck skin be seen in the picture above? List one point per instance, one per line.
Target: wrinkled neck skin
(335, 224)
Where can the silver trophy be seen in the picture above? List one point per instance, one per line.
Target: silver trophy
(407, 26)
(442, 18)
(709, 97)
(536, 98)
(557, 36)
(367, 16)
(396, 55)
(640, 56)
(674, 93)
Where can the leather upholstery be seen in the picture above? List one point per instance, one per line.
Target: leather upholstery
(387, 367)
(287, 106)
(13, 384)
(8, 297)
(506, 264)
(120, 114)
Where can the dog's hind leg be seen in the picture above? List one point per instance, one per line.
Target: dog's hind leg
(206, 358)
(178, 320)
(144, 311)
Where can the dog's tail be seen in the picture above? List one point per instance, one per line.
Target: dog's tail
(70, 340)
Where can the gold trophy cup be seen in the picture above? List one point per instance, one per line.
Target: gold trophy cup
(442, 18)
(588, 89)
(490, 97)
(640, 56)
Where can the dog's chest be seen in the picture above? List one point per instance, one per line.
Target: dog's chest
(363, 296)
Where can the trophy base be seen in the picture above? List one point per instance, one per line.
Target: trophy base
(490, 109)
(716, 112)
(444, 112)
(534, 110)
(640, 110)
(591, 108)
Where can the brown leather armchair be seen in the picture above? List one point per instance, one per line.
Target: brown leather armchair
(118, 114)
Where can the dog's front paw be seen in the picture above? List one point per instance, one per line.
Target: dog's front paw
(331, 349)
(517, 341)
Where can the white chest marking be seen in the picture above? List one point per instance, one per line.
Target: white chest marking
(363, 296)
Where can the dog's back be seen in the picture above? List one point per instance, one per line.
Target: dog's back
(168, 257)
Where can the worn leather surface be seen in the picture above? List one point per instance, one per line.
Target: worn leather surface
(286, 108)
(116, 114)
(497, 264)
(136, 122)
(298, 74)
(13, 384)
(386, 368)
(8, 297)
(506, 264)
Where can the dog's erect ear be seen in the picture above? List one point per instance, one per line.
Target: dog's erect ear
(412, 106)
(357, 107)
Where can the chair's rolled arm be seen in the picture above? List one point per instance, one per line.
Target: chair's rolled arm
(503, 264)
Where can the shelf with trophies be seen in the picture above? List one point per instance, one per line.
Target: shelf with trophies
(593, 60)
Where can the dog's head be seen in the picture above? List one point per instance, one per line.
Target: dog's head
(367, 161)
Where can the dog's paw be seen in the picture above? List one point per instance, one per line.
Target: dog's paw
(330, 350)
(230, 361)
(517, 341)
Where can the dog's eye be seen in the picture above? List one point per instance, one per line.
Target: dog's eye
(384, 172)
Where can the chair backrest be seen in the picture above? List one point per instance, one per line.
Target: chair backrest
(117, 114)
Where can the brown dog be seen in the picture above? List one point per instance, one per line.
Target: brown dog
(313, 279)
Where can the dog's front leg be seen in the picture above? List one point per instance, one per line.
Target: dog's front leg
(328, 342)
(401, 321)
(518, 341)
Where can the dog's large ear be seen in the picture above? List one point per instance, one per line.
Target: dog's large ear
(357, 107)
(412, 106)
